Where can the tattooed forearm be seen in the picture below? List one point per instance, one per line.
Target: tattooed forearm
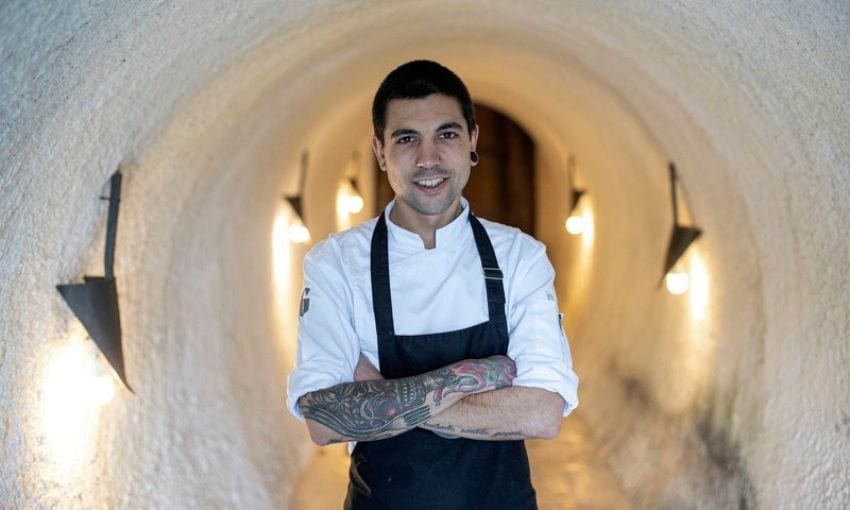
(360, 410)
(377, 409)
(438, 427)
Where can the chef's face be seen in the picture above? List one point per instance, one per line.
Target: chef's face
(426, 154)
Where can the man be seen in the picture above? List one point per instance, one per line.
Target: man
(429, 337)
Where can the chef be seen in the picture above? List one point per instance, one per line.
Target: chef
(428, 338)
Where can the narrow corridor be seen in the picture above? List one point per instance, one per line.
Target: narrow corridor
(731, 392)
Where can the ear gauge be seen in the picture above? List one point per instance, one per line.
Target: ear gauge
(473, 156)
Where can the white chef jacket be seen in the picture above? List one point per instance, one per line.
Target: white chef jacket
(433, 291)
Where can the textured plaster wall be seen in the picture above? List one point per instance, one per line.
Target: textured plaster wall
(735, 396)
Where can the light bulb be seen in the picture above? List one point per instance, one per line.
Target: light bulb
(576, 225)
(298, 233)
(354, 203)
(677, 282)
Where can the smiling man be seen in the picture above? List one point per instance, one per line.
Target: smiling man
(433, 339)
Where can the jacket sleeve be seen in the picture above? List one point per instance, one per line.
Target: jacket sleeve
(328, 347)
(538, 344)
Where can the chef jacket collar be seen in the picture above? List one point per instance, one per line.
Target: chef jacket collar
(446, 236)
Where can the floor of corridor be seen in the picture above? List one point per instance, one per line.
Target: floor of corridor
(567, 472)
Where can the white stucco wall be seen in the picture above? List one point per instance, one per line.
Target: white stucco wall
(740, 397)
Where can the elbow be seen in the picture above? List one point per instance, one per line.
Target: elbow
(549, 428)
(319, 434)
(549, 418)
(320, 440)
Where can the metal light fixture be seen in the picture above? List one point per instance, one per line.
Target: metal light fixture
(298, 231)
(95, 302)
(354, 200)
(576, 224)
(681, 237)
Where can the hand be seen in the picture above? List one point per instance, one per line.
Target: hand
(366, 371)
(500, 371)
(479, 375)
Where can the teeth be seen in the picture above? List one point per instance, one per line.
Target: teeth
(430, 183)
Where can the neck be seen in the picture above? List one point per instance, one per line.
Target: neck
(424, 225)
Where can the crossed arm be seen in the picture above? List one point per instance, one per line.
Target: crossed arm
(470, 398)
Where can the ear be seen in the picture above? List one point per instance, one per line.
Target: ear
(473, 141)
(378, 149)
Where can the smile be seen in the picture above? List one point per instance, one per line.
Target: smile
(430, 183)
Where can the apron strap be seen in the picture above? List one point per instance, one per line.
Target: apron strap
(492, 274)
(382, 304)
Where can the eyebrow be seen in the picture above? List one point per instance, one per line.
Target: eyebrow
(403, 132)
(450, 125)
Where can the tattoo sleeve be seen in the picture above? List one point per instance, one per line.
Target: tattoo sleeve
(371, 410)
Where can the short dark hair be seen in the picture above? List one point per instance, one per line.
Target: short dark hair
(415, 80)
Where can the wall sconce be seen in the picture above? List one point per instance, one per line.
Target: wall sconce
(576, 223)
(95, 302)
(298, 231)
(354, 200)
(677, 279)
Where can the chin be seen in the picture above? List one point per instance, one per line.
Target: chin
(436, 208)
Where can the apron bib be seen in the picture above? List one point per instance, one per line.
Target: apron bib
(419, 470)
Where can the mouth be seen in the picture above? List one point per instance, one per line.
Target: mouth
(431, 185)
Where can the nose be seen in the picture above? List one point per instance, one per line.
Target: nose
(428, 156)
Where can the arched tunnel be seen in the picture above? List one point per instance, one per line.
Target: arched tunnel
(734, 394)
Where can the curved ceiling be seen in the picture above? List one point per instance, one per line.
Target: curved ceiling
(209, 108)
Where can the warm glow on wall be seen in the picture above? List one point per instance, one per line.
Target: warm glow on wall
(285, 269)
(76, 383)
(280, 251)
(582, 256)
(699, 286)
(589, 232)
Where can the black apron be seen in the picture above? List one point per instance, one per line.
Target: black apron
(419, 470)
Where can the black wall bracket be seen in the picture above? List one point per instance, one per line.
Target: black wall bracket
(681, 236)
(296, 201)
(95, 301)
(575, 192)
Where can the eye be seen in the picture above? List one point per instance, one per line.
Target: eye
(403, 140)
(448, 135)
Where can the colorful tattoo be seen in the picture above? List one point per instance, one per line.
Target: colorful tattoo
(368, 410)
(474, 375)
